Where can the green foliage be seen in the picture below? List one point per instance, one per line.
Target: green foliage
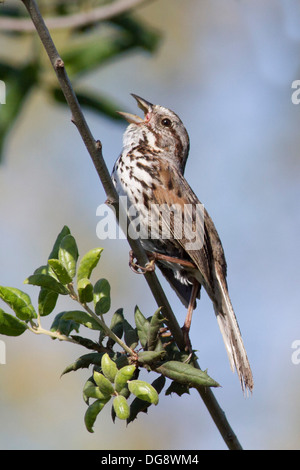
(83, 51)
(122, 350)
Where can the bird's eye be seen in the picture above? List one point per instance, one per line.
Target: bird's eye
(166, 122)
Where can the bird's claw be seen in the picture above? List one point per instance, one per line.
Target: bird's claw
(137, 269)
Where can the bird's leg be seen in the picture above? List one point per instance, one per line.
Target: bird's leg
(153, 256)
(140, 269)
(171, 259)
(188, 319)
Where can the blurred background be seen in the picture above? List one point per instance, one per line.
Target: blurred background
(226, 68)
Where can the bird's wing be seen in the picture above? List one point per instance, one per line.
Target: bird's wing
(209, 258)
(188, 227)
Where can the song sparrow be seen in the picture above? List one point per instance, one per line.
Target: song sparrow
(149, 172)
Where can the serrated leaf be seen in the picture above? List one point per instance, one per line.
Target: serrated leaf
(83, 318)
(88, 262)
(102, 296)
(10, 325)
(185, 373)
(84, 362)
(47, 281)
(86, 342)
(179, 389)
(19, 302)
(60, 271)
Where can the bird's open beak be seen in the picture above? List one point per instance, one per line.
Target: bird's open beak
(144, 105)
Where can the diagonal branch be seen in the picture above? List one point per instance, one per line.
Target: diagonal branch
(95, 150)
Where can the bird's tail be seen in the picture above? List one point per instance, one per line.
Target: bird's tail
(232, 336)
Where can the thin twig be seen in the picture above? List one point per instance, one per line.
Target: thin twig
(76, 20)
(38, 330)
(100, 321)
(95, 150)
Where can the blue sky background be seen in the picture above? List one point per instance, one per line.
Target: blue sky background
(226, 68)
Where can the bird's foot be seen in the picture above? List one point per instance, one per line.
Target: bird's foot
(136, 268)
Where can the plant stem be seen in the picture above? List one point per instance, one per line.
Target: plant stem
(53, 334)
(109, 332)
(100, 322)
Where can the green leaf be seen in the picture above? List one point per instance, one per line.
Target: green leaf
(84, 362)
(108, 367)
(103, 383)
(68, 254)
(185, 373)
(179, 389)
(139, 405)
(60, 271)
(83, 318)
(44, 269)
(116, 326)
(121, 407)
(143, 391)
(154, 327)
(64, 232)
(92, 413)
(63, 326)
(142, 325)
(46, 301)
(88, 262)
(148, 357)
(86, 342)
(85, 290)
(47, 281)
(10, 325)
(88, 384)
(130, 335)
(123, 375)
(93, 391)
(19, 301)
(102, 296)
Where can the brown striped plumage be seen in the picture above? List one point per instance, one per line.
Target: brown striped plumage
(149, 172)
